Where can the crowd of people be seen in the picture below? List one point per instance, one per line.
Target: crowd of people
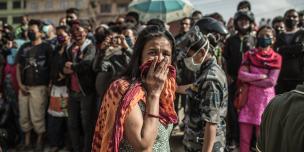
(122, 86)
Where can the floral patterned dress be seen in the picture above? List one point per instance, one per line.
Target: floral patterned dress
(162, 140)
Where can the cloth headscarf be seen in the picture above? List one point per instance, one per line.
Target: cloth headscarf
(264, 59)
(119, 101)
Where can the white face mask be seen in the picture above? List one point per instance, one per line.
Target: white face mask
(189, 61)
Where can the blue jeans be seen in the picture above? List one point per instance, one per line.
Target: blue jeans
(81, 120)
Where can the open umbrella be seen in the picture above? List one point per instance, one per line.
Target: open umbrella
(166, 10)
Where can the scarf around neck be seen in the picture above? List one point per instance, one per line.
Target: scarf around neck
(264, 59)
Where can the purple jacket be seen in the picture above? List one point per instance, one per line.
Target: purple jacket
(261, 91)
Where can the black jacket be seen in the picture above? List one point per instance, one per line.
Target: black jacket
(82, 66)
(234, 50)
(109, 66)
(293, 56)
(56, 66)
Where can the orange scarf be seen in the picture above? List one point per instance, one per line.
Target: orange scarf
(118, 102)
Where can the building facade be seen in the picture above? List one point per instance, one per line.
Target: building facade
(109, 10)
(12, 10)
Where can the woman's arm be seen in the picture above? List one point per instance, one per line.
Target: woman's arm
(270, 81)
(141, 130)
(246, 76)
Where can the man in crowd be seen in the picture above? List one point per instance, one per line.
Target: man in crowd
(185, 26)
(72, 14)
(196, 15)
(278, 25)
(33, 62)
(290, 44)
(23, 26)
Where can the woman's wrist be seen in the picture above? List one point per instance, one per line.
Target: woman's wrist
(153, 94)
(152, 115)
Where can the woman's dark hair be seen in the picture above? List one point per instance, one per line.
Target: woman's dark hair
(266, 27)
(147, 34)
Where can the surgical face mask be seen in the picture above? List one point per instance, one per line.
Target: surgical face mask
(264, 42)
(45, 29)
(61, 39)
(189, 61)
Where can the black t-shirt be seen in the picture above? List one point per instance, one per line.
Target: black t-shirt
(56, 67)
(34, 63)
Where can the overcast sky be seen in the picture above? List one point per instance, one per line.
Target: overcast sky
(261, 8)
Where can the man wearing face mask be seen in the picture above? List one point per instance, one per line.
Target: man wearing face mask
(290, 44)
(207, 93)
(236, 45)
(33, 62)
(81, 79)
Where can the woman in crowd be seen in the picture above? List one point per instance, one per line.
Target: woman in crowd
(57, 110)
(260, 70)
(137, 112)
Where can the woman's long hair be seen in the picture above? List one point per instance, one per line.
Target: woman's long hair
(147, 34)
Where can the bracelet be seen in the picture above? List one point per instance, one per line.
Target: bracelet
(151, 115)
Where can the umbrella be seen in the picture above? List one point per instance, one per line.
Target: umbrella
(166, 10)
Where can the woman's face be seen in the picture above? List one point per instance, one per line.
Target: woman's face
(266, 33)
(61, 33)
(157, 47)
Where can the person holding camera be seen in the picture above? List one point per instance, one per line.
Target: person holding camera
(33, 62)
(112, 58)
